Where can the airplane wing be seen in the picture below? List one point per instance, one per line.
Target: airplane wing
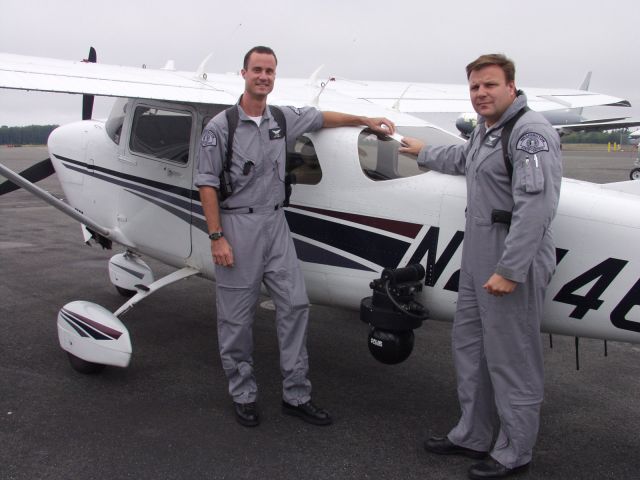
(451, 98)
(80, 77)
(83, 77)
(50, 75)
(598, 125)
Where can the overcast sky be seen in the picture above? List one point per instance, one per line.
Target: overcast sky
(553, 42)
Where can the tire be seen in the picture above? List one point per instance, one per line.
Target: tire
(635, 174)
(124, 292)
(82, 366)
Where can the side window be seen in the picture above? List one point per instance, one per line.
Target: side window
(380, 159)
(303, 163)
(162, 134)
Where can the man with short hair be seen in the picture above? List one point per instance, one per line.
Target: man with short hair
(508, 259)
(250, 239)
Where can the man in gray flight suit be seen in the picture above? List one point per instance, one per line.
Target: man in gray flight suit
(250, 239)
(508, 259)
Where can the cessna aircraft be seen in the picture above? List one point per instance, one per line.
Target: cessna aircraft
(564, 118)
(363, 216)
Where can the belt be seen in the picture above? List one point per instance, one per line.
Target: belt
(251, 209)
(501, 216)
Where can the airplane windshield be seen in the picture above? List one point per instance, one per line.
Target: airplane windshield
(116, 119)
(380, 159)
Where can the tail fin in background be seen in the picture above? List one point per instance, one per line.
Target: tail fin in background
(585, 86)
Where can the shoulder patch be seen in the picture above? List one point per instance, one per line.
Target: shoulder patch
(295, 110)
(532, 142)
(208, 139)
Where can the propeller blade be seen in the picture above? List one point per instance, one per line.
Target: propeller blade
(87, 100)
(34, 174)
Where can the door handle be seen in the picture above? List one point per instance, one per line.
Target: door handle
(125, 159)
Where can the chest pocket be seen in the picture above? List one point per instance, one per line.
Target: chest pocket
(245, 167)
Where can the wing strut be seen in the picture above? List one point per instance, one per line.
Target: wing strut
(51, 200)
(145, 291)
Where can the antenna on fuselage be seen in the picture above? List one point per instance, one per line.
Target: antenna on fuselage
(170, 65)
(396, 104)
(200, 73)
(314, 76)
(316, 100)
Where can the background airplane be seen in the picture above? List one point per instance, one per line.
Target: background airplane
(565, 120)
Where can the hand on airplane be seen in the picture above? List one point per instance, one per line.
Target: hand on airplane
(222, 252)
(498, 285)
(410, 145)
(381, 125)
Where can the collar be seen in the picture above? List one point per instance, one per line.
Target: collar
(242, 115)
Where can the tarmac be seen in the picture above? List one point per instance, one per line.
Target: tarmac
(168, 415)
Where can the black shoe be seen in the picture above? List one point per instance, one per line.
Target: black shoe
(493, 469)
(444, 446)
(307, 412)
(247, 414)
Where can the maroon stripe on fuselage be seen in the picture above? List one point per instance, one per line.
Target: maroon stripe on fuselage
(394, 226)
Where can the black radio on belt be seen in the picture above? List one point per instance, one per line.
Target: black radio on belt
(226, 189)
(501, 216)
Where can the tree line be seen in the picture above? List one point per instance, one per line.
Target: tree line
(30, 135)
(38, 135)
(620, 136)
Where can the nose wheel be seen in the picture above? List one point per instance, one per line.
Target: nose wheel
(82, 366)
(635, 174)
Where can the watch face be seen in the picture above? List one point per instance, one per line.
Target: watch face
(215, 235)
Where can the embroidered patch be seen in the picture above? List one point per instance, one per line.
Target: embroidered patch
(295, 110)
(491, 140)
(208, 139)
(276, 133)
(532, 143)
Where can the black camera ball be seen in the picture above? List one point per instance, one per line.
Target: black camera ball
(390, 347)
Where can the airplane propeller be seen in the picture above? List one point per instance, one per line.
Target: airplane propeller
(34, 174)
(87, 100)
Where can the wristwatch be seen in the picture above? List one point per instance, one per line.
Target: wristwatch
(215, 235)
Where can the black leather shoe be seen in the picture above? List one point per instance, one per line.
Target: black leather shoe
(491, 468)
(444, 446)
(307, 412)
(247, 414)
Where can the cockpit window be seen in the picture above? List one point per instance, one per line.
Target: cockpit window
(303, 163)
(163, 134)
(380, 159)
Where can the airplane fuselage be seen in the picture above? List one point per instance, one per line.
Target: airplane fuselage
(348, 222)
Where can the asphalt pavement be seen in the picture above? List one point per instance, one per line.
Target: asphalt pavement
(168, 415)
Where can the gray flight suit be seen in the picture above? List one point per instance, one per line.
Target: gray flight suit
(496, 340)
(254, 224)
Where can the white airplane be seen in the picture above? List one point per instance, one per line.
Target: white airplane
(359, 214)
(564, 117)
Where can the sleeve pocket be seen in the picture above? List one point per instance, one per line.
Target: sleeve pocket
(533, 176)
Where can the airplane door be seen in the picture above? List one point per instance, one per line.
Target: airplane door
(154, 205)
